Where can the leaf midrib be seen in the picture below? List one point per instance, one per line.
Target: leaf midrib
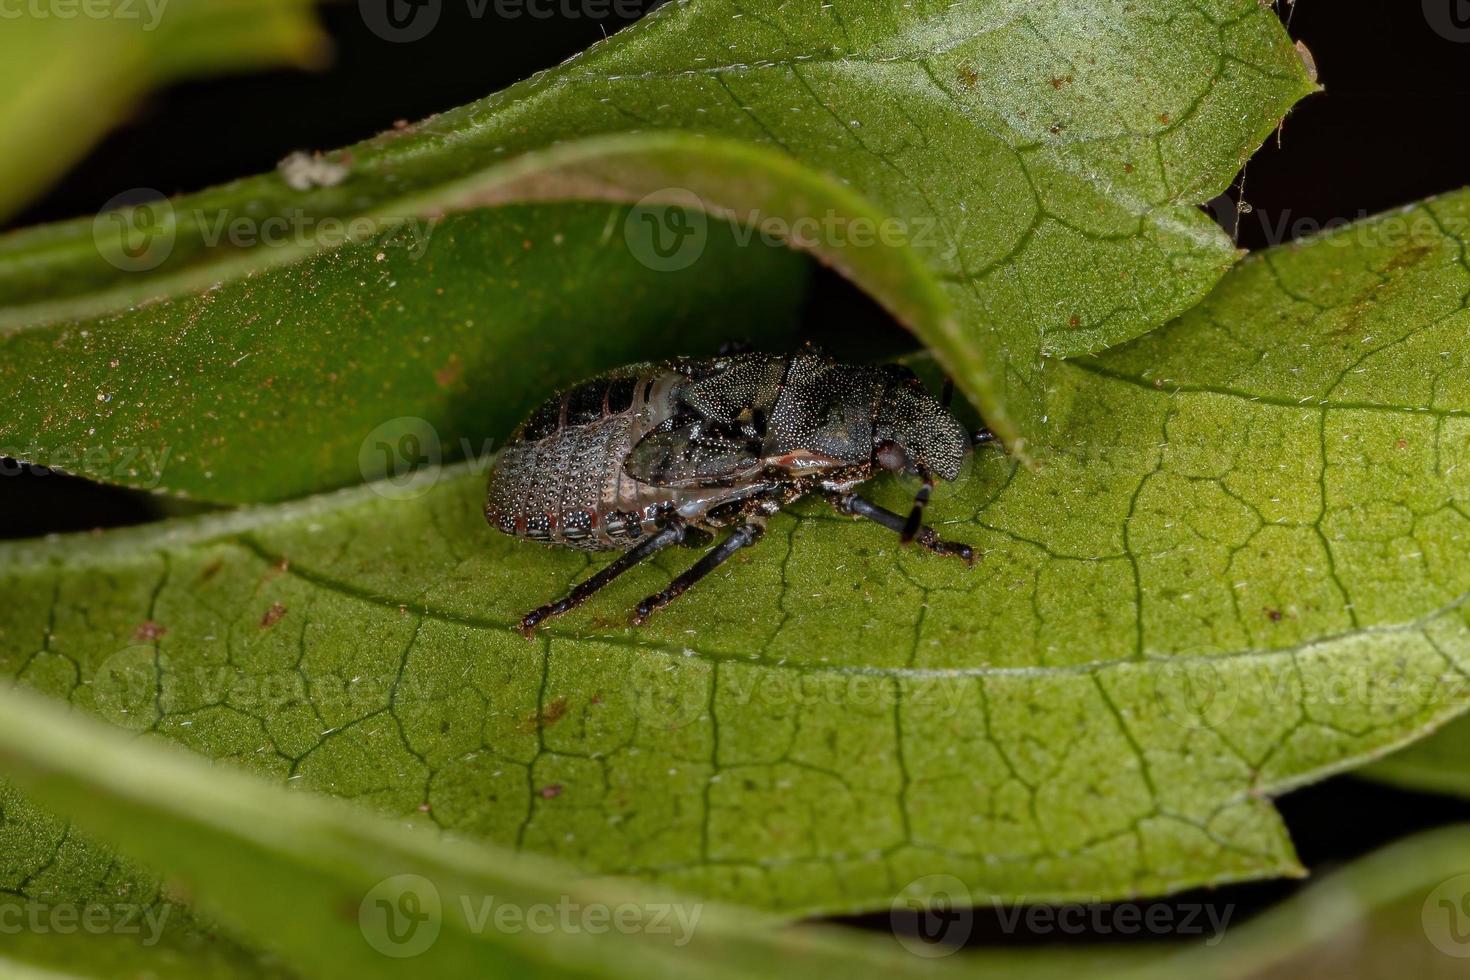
(238, 528)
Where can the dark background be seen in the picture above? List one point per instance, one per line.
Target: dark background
(1390, 129)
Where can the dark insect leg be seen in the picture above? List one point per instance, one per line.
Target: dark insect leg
(947, 394)
(745, 534)
(851, 503)
(916, 515)
(982, 437)
(667, 535)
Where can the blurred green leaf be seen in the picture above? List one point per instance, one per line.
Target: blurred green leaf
(1437, 764)
(71, 71)
(1008, 178)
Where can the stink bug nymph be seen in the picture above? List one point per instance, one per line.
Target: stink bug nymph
(653, 455)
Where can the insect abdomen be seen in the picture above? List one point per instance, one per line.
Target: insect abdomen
(558, 479)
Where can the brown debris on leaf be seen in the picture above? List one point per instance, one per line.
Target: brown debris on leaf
(149, 632)
(272, 615)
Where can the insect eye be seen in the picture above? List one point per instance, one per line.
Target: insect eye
(891, 457)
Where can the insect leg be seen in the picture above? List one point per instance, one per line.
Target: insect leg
(665, 536)
(915, 520)
(745, 534)
(851, 503)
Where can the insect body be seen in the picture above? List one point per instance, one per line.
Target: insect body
(654, 455)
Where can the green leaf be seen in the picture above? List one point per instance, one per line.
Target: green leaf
(445, 333)
(91, 67)
(1010, 179)
(1243, 569)
(239, 845)
(1437, 764)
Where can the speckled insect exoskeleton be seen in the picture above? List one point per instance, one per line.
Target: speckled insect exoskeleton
(659, 454)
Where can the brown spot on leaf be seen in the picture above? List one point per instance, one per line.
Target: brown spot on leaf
(1074, 320)
(272, 615)
(968, 76)
(149, 632)
(211, 570)
(1128, 168)
(1164, 118)
(550, 792)
(1062, 80)
(554, 712)
(1274, 615)
(448, 375)
(546, 717)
